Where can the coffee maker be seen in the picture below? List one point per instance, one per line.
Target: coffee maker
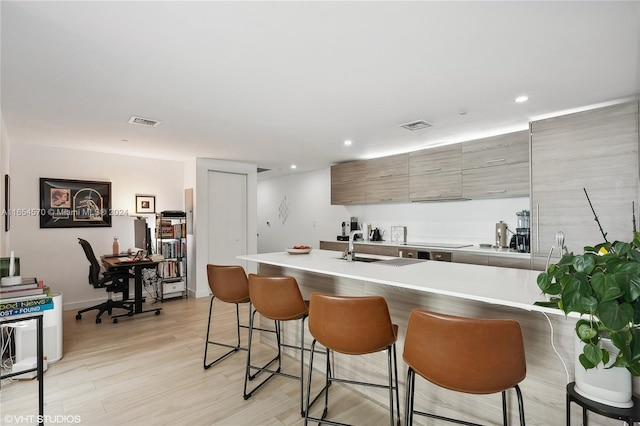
(523, 232)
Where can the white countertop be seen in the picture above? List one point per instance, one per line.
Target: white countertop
(516, 288)
(474, 249)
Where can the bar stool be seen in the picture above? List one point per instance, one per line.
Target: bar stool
(229, 284)
(353, 325)
(278, 299)
(469, 355)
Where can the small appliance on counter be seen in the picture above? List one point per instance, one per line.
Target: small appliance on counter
(345, 232)
(366, 231)
(501, 235)
(355, 227)
(523, 232)
(377, 235)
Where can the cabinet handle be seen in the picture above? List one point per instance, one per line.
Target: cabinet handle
(409, 254)
(496, 160)
(537, 227)
(496, 191)
(435, 169)
(387, 175)
(386, 199)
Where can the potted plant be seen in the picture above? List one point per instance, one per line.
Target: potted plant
(602, 284)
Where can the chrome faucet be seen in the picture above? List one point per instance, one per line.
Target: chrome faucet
(350, 253)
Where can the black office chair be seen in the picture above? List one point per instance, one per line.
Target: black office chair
(116, 281)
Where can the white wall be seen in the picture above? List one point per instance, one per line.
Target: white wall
(54, 255)
(296, 209)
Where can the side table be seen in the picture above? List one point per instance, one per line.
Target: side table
(629, 415)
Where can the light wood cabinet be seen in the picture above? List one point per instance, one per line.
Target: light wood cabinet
(498, 150)
(348, 183)
(470, 258)
(509, 180)
(387, 190)
(509, 262)
(596, 150)
(387, 167)
(496, 167)
(436, 160)
(435, 174)
(387, 179)
(435, 187)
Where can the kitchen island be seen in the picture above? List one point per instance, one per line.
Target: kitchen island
(457, 289)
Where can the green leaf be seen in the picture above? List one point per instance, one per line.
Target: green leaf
(606, 287)
(615, 316)
(574, 290)
(632, 270)
(586, 332)
(551, 303)
(584, 263)
(585, 362)
(593, 354)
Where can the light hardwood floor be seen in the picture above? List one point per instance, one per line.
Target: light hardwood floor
(147, 370)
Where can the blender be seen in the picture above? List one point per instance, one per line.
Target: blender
(523, 231)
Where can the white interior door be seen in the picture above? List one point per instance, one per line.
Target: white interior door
(227, 217)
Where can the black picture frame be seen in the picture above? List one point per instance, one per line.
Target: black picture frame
(145, 204)
(68, 203)
(7, 202)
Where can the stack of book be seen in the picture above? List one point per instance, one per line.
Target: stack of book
(28, 297)
(28, 287)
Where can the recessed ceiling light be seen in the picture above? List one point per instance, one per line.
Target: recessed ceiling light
(293, 166)
(521, 99)
(347, 142)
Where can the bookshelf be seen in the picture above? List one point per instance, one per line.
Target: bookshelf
(171, 242)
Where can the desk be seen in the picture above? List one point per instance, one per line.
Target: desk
(40, 356)
(628, 415)
(117, 263)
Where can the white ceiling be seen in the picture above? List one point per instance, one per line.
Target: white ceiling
(281, 83)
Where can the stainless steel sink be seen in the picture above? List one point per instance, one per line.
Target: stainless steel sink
(363, 259)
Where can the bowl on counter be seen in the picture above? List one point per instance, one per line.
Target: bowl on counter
(299, 250)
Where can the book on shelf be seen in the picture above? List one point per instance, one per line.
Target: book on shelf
(31, 289)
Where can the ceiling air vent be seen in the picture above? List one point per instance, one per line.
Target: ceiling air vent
(416, 125)
(144, 121)
(260, 170)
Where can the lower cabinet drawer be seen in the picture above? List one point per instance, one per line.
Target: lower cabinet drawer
(173, 287)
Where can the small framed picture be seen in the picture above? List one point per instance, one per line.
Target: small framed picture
(145, 204)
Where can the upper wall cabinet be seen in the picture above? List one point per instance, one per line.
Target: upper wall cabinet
(348, 183)
(596, 151)
(496, 167)
(387, 179)
(436, 173)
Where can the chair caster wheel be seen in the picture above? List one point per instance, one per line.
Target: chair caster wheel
(158, 312)
(115, 320)
(98, 320)
(78, 316)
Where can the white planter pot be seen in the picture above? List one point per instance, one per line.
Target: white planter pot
(607, 386)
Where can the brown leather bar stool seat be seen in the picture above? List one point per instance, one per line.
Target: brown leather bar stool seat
(229, 284)
(279, 299)
(469, 355)
(353, 325)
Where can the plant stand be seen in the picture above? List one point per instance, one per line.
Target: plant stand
(629, 415)
(611, 386)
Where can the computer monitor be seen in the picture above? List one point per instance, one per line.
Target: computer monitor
(142, 234)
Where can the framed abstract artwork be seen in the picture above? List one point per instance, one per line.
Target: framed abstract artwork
(66, 203)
